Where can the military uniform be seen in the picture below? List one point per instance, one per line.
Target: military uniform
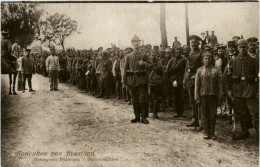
(53, 68)
(155, 86)
(194, 62)
(117, 76)
(136, 77)
(175, 72)
(27, 69)
(244, 88)
(106, 76)
(63, 68)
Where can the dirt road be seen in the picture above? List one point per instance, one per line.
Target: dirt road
(69, 128)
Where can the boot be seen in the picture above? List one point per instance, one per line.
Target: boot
(14, 93)
(245, 133)
(256, 125)
(101, 93)
(136, 112)
(144, 108)
(156, 109)
(212, 129)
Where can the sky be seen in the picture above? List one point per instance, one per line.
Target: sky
(101, 24)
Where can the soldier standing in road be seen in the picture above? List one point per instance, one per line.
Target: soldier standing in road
(194, 62)
(136, 77)
(244, 87)
(53, 68)
(27, 69)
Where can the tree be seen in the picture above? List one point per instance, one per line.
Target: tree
(21, 20)
(55, 29)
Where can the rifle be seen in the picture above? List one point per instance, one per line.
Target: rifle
(199, 115)
(233, 114)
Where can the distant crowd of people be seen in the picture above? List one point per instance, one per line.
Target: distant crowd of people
(202, 76)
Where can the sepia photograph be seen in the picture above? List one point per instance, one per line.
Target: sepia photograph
(130, 83)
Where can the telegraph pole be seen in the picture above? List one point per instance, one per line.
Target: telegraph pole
(163, 25)
(187, 23)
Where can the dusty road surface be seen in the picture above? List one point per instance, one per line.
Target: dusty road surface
(69, 128)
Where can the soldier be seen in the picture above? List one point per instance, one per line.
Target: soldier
(213, 39)
(175, 72)
(27, 69)
(186, 51)
(252, 42)
(194, 62)
(53, 68)
(155, 83)
(235, 39)
(208, 88)
(63, 66)
(20, 77)
(136, 77)
(207, 37)
(176, 43)
(125, 88)
(106, 75)
(244, 87)
(232, 52)
(220, 59)
(117, 74)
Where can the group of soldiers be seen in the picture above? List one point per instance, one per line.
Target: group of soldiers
(153, 79)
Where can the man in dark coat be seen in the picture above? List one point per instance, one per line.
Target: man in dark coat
(175, 72)
(194, 62)
(244, 88)
(136, 77)
(63, 66)
(27, 69)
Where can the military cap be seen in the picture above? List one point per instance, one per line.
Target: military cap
(28, 49)
(103, 52)
(236, 37)
(231, 44)
(161, 50)
(168, 50)
(220, 46)
(242, 42)
(135, 38)
(178, 48)
(206, 53)
(252, 40)
(148, 45)
(153, 51)
(208, 47)
(129, 49)
(194, 37)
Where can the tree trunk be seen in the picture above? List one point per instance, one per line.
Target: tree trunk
(163, 25)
